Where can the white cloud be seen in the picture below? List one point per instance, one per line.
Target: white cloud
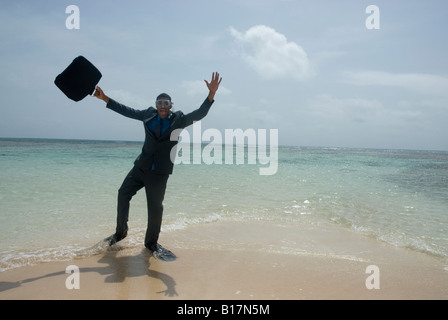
(423, 83)
(271, 55)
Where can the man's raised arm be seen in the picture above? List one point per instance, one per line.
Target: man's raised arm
(213, 85)
(118, 107)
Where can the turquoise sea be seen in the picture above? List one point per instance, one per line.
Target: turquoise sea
(59, 196)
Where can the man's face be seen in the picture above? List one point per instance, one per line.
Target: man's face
(163, 107)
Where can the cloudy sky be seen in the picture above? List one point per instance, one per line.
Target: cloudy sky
(311, 69)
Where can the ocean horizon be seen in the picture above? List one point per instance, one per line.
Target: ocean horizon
(223, 144)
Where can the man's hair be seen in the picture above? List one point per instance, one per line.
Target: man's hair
(163, 95)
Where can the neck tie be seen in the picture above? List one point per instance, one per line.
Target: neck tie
(158, 129)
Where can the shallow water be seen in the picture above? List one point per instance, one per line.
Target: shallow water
(58, 197)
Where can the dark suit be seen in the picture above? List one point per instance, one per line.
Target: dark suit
(152, 167)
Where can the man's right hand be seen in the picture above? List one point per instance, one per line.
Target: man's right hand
(100, 94)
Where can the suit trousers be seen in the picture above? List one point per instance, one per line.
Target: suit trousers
(155, 186)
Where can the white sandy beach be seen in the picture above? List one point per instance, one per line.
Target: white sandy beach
(259, 260)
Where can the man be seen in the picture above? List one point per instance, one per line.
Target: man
(154, 165)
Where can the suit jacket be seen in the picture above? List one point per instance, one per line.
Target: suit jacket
(157, 150)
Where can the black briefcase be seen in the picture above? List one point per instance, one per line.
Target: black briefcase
(79, 79)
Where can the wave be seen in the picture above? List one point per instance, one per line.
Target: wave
(15, 259)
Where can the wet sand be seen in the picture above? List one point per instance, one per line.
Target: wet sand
(260, 260)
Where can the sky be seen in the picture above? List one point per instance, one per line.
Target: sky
(323, 73)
